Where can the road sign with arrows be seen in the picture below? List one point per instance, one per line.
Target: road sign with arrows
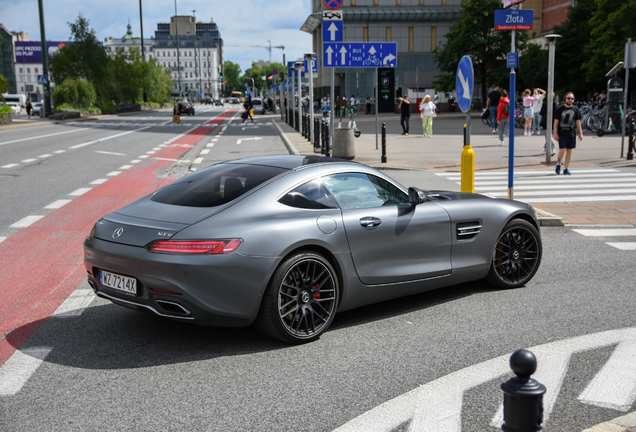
(360, 54)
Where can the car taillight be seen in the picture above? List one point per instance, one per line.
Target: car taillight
(196, 247)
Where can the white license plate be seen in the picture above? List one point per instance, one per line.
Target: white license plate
(118, 282)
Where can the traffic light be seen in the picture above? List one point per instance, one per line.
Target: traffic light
(221, 76)
(186, 92)
(245, 91)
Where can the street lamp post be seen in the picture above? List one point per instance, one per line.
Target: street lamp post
(293, 97)
(551, 39)
(300, 96)
(176, 23)
(310, 59)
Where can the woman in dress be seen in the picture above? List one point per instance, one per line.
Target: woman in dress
(427, 112)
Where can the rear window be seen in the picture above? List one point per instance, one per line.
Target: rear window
(216, 185)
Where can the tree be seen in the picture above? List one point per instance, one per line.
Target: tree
(257, 73)
(533, 68)
(232, 72)
(611, 24)
(575, 32)
(474, 33)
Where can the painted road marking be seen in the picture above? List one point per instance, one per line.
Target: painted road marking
(113, 173)
(26, 221)
(28, 160)
(125, 167)
(2, 239)
(80, 191)
(110, 153)
(107, 138)
(198, 160)
(437, 405)
(57, 204)
(623, 246)
(75, 304)
(98, 181)
(19, 368)
(615, 385)
(41, 136)
(10, 165)
(606, 232)
(45, 156)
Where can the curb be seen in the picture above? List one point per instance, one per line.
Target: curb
(548, 219)
(625, 423)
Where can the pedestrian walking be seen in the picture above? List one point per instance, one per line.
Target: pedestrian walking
(427, 112)
(503, 116)
(492, 103)
(368, 105)
(248, 108)
(29, 107)
(436, 102)
(528, 112)
(536, 111)
(544, 123)
(567, 123)
(343, 107)
(405, 114)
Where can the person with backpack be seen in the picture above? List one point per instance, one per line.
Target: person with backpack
(567, 121)
(503, 115)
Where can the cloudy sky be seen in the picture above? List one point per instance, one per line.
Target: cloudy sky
(241, 22)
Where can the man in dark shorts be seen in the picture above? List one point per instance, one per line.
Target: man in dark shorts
(567, 122)
(405, 114)
(492, 104)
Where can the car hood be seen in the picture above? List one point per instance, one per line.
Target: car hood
(441, 195)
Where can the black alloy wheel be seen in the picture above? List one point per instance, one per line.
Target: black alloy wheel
(301, 299)
(516, 256)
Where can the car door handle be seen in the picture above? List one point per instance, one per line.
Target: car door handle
(370, 221)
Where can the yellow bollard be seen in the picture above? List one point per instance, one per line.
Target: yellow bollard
(468, 167)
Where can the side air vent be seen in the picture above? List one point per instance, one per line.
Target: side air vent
(468, 230)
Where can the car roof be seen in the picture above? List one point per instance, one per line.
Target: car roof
(290, 161)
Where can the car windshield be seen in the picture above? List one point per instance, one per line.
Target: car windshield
(216, 185)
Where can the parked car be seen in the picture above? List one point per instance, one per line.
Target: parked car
(258, 106)
(207, 101)
(17, 109)
(287, 241)
(218, 102)
(37, 107)
(186, 107)
(234, 101)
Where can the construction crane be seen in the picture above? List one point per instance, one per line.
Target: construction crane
(268, 48)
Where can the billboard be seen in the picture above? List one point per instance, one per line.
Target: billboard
(31, 52)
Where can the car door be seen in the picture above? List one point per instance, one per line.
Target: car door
(390, 239)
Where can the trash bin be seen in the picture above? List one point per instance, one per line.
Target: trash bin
(343, 143)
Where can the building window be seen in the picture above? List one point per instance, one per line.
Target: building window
(443, 2)
(411, 36)
(28, 70)
(433, 37)
(36, 70)
(365, 34)
(388, 34)
(20, 70)
(421, 2)
(190, 64)
(164, 53)
(190, 53)
(398, 2)
(353, 2)
(375, 2)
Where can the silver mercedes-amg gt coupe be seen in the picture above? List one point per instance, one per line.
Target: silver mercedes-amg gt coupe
(285, 242)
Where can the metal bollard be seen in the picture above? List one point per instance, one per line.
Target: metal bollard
(327, 144)
(523, 396)
(630, 141)
(317, 131)
(324, 134)
(467, 167)
(383, 160)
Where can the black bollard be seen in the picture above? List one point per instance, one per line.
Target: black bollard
(523, 396)
(327, 143)
(323, 144)
(317, 135)
(383, 143)
(630, 141)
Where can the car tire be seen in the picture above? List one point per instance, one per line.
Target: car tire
(516, 256)
(301, 299)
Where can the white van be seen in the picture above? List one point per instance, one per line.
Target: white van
(19, 99)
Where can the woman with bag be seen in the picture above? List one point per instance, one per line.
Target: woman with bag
(427, 112)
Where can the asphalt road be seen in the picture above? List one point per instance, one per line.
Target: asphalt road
(111, 368)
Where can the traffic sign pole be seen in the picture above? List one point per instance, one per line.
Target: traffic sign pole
(511, 147)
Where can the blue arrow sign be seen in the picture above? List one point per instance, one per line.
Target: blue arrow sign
(359, 54)
(332, 31)
(464, 83)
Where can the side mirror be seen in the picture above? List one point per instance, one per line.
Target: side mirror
(416, 196)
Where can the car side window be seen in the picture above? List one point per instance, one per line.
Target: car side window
(312, 195)
(357, 191)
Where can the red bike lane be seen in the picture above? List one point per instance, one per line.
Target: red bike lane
(41, 265)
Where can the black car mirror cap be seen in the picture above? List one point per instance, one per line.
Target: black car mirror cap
(416, 196)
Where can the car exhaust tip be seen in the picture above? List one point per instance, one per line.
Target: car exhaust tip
(173, 308)
(92, 285)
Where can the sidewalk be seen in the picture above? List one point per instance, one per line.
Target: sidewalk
(443, 152)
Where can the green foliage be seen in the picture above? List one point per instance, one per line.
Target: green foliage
(611, 24)
(4, 85)
(76, 92)
(257, 73)
(4, 110)
(232, 71)
(533, 68)
(121, 79)
(473, 33)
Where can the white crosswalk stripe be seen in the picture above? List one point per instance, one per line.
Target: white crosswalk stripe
(546, 187)
(612, 233)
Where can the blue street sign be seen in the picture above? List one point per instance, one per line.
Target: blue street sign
(359, 54)
(464, 83)
(314, 65)
(513, 60)
(42, 79)
(332, 31)
(513, 19)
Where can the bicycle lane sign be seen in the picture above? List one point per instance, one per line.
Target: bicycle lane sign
(360, 54)
(437, 405)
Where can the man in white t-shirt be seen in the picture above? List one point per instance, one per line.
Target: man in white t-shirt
(536, 109)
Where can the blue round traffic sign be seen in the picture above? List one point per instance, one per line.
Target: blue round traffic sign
(332, 4)
(464, 83)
